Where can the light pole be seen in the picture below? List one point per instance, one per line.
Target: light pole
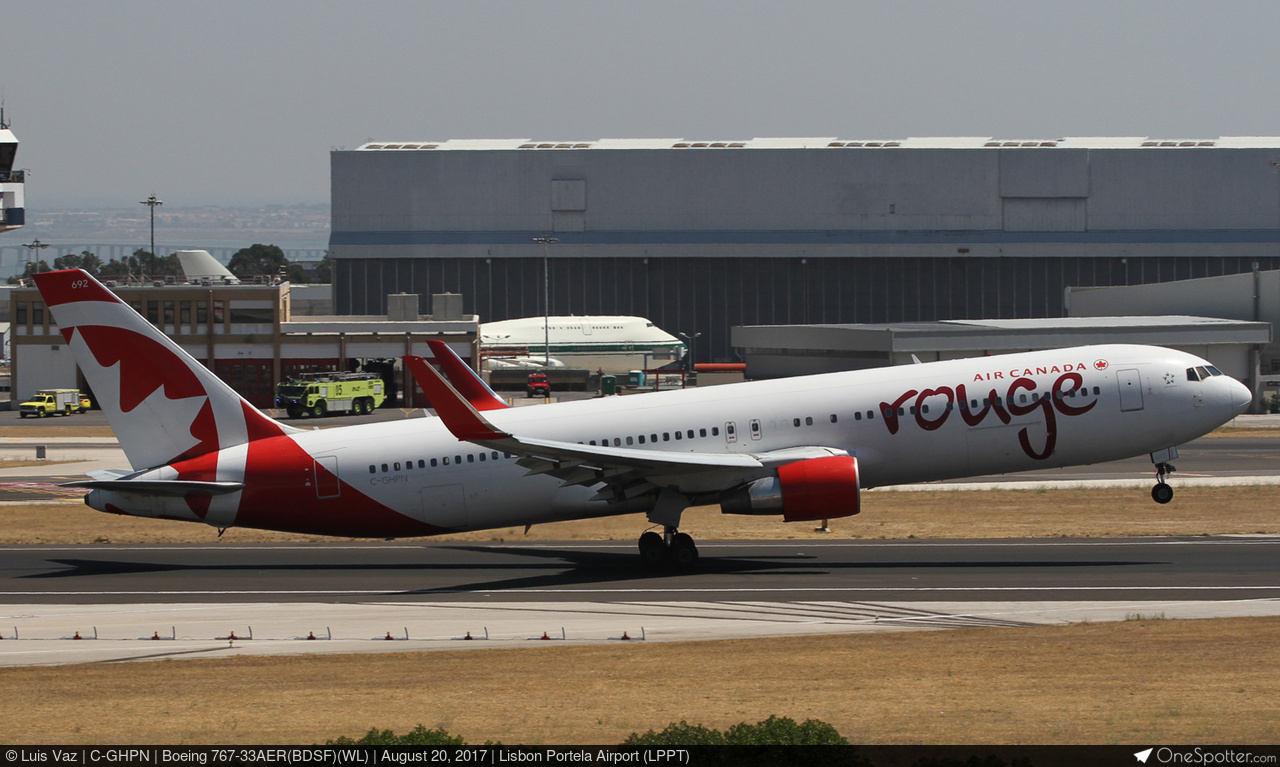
(689, 350)
(544, 240)
(152, 202)
(35, 246)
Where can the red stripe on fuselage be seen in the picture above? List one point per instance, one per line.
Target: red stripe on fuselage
(280, 481)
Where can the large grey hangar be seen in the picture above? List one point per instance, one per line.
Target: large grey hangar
(701, 236)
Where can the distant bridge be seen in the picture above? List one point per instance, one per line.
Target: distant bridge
(14, 257)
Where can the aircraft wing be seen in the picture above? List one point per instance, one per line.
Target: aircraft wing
(625, 472)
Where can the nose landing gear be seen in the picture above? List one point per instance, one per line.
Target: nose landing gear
(1162, 492)
(672, 546)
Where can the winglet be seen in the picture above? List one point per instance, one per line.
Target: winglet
(464, 379)
(459, 416)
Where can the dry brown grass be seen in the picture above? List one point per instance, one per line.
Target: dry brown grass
(1264, 432)
(22, 463)
(55, 430)
(969, 514)
(1135, 682)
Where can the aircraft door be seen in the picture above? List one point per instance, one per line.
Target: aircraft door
(755, 428)
(444, 506)
(731, 432)
(327, 483)
(1130, 383)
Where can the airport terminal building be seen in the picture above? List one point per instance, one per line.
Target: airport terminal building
(702, 236)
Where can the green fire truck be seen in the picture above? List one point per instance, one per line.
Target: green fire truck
(318, 394)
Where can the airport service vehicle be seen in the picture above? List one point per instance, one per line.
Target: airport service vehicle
(539, 386)
(54, 402)
(318, 394)
(801, 448)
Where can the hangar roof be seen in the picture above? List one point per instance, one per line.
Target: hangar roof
(832, 142)
(1004, 335)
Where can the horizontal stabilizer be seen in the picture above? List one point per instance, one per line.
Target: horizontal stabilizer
(177, 488)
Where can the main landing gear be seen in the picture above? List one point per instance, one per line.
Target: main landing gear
(672, 546)
(1162, 492)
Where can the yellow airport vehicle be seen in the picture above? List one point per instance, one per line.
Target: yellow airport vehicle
(319, 394)
(54, 402)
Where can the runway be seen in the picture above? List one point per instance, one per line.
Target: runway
(428, 596)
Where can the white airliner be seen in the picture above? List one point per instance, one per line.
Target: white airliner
(802, 448)
(614, 344)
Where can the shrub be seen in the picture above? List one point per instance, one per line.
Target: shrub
(774, 731)
(419, 736)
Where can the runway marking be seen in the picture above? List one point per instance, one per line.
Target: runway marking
(498, 548)
(656, 589)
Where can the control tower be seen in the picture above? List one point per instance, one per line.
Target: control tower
(12, 214)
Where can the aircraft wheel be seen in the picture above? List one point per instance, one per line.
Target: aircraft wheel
(318, 409)
(1162, 493)
(684, 552)
(653, 550)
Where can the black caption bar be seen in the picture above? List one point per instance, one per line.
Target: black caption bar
(611, 756)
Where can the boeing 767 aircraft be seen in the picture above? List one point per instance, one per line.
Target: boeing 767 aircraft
(802, 448)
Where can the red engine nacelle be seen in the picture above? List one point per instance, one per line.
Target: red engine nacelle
(819, 488)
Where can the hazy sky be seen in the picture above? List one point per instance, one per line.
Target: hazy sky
(239, 103)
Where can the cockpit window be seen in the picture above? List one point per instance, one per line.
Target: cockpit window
(1202, 372)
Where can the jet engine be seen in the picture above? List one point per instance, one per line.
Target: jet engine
(818, 488)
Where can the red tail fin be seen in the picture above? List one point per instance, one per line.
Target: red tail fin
(163, 405)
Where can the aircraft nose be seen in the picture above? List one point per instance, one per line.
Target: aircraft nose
(1241, 397)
